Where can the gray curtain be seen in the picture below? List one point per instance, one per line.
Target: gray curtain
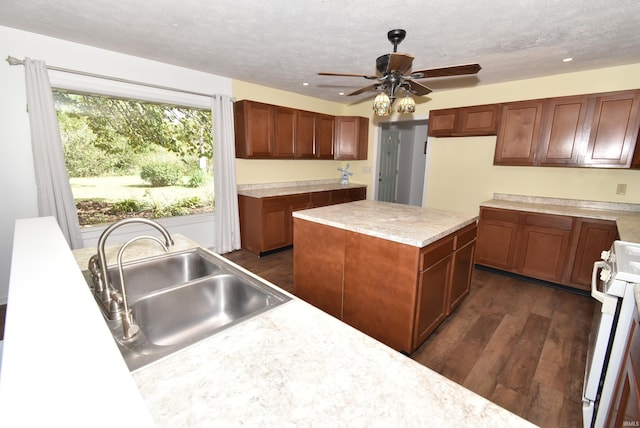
(54, 191)
(227, 220)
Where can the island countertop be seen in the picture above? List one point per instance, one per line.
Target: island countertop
(404, 224)
(293, 188)
(292, 366)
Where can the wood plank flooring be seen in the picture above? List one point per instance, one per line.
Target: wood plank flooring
(516, 342)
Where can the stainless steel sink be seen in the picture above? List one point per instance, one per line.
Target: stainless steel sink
(156, 273)
(182, 298)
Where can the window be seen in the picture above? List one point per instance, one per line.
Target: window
(128, 157)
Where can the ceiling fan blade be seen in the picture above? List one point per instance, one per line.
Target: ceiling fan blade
(400, 62)
(365, 89)
(418, 88)
(366, 76)
(456, 70)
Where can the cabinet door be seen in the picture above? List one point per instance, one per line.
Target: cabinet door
(324, 136)
(253, 129)
(497, 238)
(519, 133)
(594, 237)
(544, 246)
(478, 120)
(358, 194)
(442, 123)
(284, 120)
(352, 135)
(614, 130)
(305, 134)
(276, 220)
(562, 138)
(462, 267)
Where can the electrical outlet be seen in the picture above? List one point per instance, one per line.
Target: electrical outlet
(366, 170)
(621, 189)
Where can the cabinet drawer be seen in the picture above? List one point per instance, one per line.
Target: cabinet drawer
(275, 201)
(320, 199)
(548, 220)
(465, 235)
(436, 252)
(498, 214)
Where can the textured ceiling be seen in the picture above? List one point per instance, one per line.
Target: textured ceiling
(283, 43)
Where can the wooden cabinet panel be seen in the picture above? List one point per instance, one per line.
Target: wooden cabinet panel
(519, 133)
(379, 298)
(594, 237)
(462, 267)
(614, 130)
(253, 129)
(305, 134)
(285, 132)
(442, 123)
(497, 238)
(320, 287)
(432, 298)
(562, 137)
(324, 136)
(351, 138)
(544, 246)
(464, 121)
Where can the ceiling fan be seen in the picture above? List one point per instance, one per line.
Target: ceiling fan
(393, 71)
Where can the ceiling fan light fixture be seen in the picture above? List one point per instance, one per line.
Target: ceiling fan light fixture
(407, 104)
(382, 104)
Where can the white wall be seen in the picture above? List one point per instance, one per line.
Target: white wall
(18, 194)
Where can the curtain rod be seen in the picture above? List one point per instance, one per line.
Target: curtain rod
(15, 61)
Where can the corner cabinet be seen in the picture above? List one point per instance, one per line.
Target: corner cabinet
(351, 138)
(265, 131)
(555, 248)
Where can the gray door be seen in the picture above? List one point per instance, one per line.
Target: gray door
(388, 170)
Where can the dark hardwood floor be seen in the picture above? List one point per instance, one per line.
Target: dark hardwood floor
(518, 343)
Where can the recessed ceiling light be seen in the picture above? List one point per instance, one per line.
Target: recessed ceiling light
(340, 93)
(568, 59)
(305, 84)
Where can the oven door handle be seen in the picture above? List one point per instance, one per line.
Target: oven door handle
(608, 302)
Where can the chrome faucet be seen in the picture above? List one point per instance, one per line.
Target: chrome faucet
(129, 327)
(98, 263)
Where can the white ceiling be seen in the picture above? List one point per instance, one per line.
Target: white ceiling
(283, 43)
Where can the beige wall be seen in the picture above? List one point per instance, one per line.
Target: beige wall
(461, 172)
(251, 171)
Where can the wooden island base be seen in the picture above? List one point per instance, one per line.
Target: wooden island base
(394, 292)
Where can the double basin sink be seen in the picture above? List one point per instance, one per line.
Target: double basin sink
(180, 298)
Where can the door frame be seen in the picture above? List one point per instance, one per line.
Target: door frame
(377, 136)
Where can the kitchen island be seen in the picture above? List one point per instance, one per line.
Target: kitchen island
(291, 366)
(392, 271)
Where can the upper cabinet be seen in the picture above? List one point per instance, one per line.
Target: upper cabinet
(519, 133)
(352, 136)
(598, 130)
(464, 121)
(265, 131)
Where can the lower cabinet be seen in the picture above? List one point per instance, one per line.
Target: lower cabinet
(555, 248)
(394, 292)
(266, 223)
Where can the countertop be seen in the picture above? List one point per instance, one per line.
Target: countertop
(626, 216)
(293, 188)
(406, 224)
(291, 366)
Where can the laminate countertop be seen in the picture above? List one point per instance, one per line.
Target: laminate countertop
(626, 216)
(293, 188)
(292, 366)
(406, 224)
